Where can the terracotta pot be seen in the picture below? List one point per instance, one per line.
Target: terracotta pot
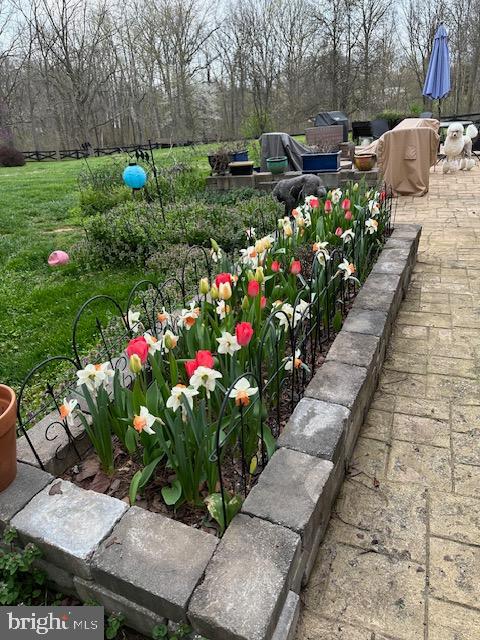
(8, 436)
(365, 162)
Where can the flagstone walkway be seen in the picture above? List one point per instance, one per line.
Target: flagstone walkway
(401, 558)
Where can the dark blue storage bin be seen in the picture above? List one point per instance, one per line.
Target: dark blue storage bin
(321, 162)
(239, 156)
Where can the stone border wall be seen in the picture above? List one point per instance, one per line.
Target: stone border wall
(246, 585)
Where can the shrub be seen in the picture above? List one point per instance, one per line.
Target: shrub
(392, 117)
(102, 177)
(11, 157)
(134, 231)
(94, 201)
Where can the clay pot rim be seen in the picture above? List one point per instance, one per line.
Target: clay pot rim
(365, 155)
(13, 397)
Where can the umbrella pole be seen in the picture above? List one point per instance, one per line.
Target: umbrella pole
(439, 109)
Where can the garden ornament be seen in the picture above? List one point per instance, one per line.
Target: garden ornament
(58, 258)
(458, 147)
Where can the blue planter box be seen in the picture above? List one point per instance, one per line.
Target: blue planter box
(240, 156)
(321, 162)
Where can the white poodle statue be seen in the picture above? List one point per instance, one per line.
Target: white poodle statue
(458, 147)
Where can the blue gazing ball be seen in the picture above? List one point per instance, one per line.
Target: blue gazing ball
(135, 176)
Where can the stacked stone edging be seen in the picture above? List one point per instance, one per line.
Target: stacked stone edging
(245, 586)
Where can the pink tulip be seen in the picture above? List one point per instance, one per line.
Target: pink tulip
(58, 258)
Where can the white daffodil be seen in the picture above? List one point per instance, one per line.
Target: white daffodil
(348, 269)
(372, 225)
(205, 377)
(94, 375)
(295, 361)
(169, 341)
(373, 208)
(176, 398)
(285, 316)
(228, 344)
(308, 219)
(66, 411)
(222, 309)
(287, 227)
(216, 254)
(163, 318)
(188, 317)
(301, 311)
(145, 421)
(249, 257)
(154, 344)
(336, 195)
(133, 318)
(250, 233)
(241, 392)
(320, 249)
(347, 236)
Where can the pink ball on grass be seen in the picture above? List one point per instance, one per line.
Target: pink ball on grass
(57, 258)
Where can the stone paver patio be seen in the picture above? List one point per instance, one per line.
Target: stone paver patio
(401, 558)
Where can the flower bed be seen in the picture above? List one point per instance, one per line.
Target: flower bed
(208, 387)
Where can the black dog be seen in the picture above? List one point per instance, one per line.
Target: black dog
(294, 190)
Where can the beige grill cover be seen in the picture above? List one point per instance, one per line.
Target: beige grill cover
(405, 155)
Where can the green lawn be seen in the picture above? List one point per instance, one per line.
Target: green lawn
(38, 303)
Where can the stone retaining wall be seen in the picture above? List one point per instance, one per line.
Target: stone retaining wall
(246, 585)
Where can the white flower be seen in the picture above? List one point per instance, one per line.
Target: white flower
(372, 225)
(250, 233)
(373, 208)
(347, 235)
(308, 219)
(154, 344)
(145, 421)
(347, 268)
(133, 320)
(216, 255)
(296, 362)
(177, 395)
(285, 315)
(94, 375)
(163, 318)
(66, 411)
(320, 248)
(336, 195)
(249, 257)
(301, 311)
(205, 377)
(228, 344)
(242, 391)
(188, 317)
(222, 309)
(169, 341)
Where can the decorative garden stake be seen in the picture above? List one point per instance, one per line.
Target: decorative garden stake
(134, 176)
(8, 436)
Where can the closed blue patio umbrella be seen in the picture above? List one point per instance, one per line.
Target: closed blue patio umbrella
(437, 81)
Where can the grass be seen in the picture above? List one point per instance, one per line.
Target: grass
(38, 303)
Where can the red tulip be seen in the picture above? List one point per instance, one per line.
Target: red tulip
(244, 333)
(295, 267)
(190, 367)
(275, 266)
(346, 204)
(222, 278)
(313, 202)
(138, 346)
(338, 231)
(253, 288)
(263, 302)
(204, 359)
(328, 206)
(383, 195)
(348, 215)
